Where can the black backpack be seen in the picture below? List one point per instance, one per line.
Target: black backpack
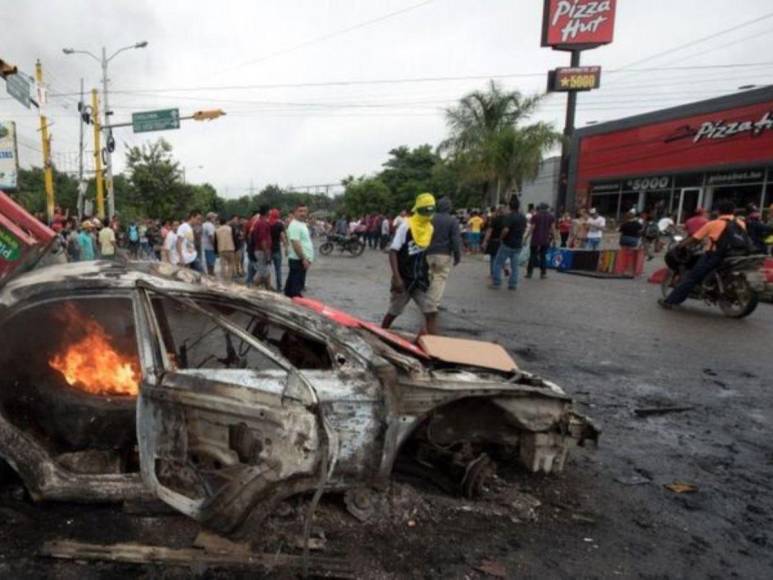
(734, 241)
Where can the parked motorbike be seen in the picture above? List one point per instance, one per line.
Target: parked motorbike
(735, 286)
(351, 244)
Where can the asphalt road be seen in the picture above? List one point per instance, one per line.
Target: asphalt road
(607, 515)
(615, 350)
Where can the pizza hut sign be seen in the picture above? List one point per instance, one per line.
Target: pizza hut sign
(578, 24)
(722, 130)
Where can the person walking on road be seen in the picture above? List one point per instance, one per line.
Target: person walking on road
(476, 225)
(208, 243)
(408, 263)
(278, 240)
(169, 248)
(541, 236)
(511, 243)
(186, 243)
(260, 236)
(596, 225)
(445, 249)
(226, 250)
(565, 228)
(491, 239)
(300, 252)
(107, 242)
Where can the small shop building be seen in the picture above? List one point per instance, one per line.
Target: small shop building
(675, 160)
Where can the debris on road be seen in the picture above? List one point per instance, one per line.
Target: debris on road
(681, 487)
(652, 411)
(492, 568)
(145, 554)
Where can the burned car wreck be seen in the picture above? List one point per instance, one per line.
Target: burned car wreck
(133, 381)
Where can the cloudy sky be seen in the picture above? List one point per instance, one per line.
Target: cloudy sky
(316, 90)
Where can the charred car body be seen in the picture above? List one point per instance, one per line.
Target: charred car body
(128, 381)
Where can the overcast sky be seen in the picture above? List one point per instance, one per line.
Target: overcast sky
(200, 53)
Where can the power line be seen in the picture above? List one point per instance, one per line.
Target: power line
(396, 81)
(697, 41)
(328, 36)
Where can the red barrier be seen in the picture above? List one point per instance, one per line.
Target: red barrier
(23, 239)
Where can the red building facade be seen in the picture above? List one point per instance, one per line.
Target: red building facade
(677, 159)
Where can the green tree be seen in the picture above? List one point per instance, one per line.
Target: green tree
(156, 181)
(364, 195)
(490, 143)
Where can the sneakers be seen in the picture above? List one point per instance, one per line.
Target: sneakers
(543, 275)
(664, 304)
(494, 286)
(512, 288)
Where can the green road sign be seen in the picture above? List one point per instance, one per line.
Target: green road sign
(156, 120)
(19, 88)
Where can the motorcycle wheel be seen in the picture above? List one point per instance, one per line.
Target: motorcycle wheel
(326, 248)
(745, 303)
(356, 248)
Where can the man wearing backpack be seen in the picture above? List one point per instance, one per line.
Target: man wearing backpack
(721, 237)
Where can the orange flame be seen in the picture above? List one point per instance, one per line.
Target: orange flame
(91, 364)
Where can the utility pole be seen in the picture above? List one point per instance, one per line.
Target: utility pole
(81, 188)
(108, 139)
(566, 147)
(98, 155)
(48, 172)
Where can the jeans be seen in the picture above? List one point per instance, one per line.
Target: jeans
(209, 261)
(504, 253)
(705, 265)
(538, 255)
(296, 278)
(249, 277)
(592, 243)
(276, 258)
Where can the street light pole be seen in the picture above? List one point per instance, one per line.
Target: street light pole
(106, 124)
(108, 133)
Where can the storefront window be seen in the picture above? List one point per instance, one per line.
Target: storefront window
(606, 205)
(741, 195)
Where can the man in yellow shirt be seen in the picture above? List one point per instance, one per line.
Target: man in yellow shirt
(476, 224)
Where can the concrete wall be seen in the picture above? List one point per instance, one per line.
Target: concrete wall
(545, 187)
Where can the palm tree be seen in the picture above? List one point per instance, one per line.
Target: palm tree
(487, 139)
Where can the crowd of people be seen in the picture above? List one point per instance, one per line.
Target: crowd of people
(423, 244)
(249, 249)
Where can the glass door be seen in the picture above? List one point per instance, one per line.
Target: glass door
(690, 199)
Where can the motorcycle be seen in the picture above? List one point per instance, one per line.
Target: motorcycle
(735, 286)
(351, 244)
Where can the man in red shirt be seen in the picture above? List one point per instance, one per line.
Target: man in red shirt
(260, 258)
(696, 222)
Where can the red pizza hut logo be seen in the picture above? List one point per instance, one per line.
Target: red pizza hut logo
(574, 23)
(722, 130)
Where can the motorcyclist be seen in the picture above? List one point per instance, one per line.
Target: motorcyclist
(709, 235)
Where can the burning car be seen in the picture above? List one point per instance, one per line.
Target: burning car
(140, 380)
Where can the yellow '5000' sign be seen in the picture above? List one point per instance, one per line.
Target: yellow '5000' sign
(582, 78)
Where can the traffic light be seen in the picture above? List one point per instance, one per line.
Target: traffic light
(208, 115)
(6, 69)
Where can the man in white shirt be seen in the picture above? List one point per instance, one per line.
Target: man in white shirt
(186, 244)
(596, 225)
(169, 248)
(107, 242)
(208, 243)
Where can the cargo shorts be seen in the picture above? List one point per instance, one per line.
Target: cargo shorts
(399, 300)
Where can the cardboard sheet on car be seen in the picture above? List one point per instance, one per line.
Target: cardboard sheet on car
(468, 352)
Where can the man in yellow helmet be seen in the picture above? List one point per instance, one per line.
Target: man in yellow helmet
(407, 259)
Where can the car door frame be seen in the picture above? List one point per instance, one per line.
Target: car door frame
(297, 389)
